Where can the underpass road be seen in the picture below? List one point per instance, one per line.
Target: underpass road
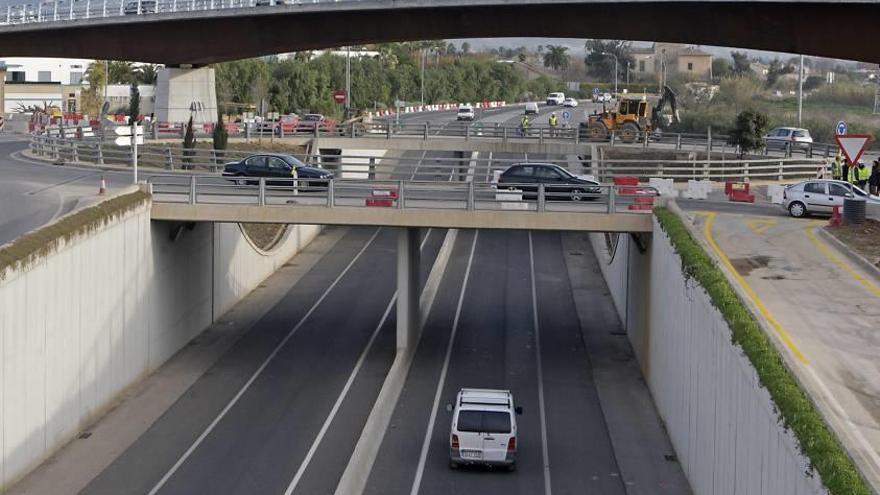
(495, 346)
(261, 441)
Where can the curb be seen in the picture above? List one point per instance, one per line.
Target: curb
(360, 464)
(853, 256)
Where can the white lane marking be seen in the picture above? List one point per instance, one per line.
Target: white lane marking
(418, 164)
(342, 395)
(541, 407)
(259, 370)
(423, 456)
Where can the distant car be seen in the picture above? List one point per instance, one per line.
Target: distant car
(570, 102)
(607, 97)
(555, 98)
(465, 112)
(558, 182)
(310, 121)
(785, 137)
(275, 166)
(820, 196)
(483, 430)
(531, 108)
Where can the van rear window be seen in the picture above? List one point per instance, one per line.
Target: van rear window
(484, 421)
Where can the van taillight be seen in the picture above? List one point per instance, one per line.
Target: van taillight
(511, 444)
(454, 441)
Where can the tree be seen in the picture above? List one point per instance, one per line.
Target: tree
(189, 142)
(813, 82)
(748, 131)
(600, 58)
(720, 68)
(556, 58)
(521, 57)
(119, 72)
(220, 136)
(741, 64)
(775, 70)
(146, 73)
(134, 102)
(92, 97)
(465, 48)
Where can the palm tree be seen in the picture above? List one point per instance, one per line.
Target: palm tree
(119, 72)
(555, 57)
(146, 73)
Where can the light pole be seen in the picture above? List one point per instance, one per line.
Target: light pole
(801, 90)
(424, 56)
(347, 82)
(615, 69)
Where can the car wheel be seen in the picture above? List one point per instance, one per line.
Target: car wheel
(797, 209)
(629, 132)
(240, 180)
(577, 194)
(598, 131)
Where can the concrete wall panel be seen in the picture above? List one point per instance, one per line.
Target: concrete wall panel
(106, 309)
(720, 420)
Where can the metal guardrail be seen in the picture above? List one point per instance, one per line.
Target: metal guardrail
(481, 169)
(400, 194)
(71, 10)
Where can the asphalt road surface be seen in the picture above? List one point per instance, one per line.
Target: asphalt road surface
(255, 419)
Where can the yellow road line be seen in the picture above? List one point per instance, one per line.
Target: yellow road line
(786, 338)
(759, 225)
(831, 255)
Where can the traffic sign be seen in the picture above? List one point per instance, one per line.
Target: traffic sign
(125, 130)
(840, 129)
(339, 96)
(853, 145)
(566, 115)
(126, 140)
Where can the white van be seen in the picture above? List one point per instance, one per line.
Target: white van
(531, 108)
(555, 98)
(465, 112)
(483, 428)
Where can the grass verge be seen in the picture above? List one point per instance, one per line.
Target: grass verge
(795, 410)
(33, 246)
(264, 235)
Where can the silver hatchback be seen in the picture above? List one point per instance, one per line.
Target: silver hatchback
(820, 196)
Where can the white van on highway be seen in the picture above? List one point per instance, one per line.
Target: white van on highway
(483, 428)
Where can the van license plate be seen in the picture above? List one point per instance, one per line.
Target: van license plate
(471, 454)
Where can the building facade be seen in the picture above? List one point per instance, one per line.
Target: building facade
(671, 58)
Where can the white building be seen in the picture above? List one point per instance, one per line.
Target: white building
(65, 71)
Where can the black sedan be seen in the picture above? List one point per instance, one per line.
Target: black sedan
(558, 182)
(273, 166)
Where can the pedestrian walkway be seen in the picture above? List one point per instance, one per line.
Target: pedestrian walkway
(824, 311)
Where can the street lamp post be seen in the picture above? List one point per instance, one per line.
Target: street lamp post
(615, 70)
(347, 82)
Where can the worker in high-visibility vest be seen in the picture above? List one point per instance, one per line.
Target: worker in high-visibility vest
(861, 174)
(836, 170)
(524, 125)
(554, 121)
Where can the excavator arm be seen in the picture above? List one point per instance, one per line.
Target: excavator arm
(667, 98)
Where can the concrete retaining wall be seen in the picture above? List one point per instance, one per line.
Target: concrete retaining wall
(719, 419)
(103, 311)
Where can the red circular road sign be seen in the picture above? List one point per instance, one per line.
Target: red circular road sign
(339, 96)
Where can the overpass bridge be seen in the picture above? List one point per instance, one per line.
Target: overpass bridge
(103, 28)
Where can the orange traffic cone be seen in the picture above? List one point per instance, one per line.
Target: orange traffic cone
(103, 188)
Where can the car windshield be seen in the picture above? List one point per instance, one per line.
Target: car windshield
(292, 161)
(484, 421)
(312, 117)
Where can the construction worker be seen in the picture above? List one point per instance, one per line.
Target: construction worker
(874, 179)
(554, 122)
(524, 125)
(836, 167)
(844, 175)
(861, 174)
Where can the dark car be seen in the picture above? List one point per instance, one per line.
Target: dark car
(276, 166)
(558, 182)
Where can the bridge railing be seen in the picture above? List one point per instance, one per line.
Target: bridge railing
(400, 194)
(71, 10)
(479, 168)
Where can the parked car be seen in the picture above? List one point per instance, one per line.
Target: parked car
(783, 137)
(820, 196)
(558, 182)
(465, 112)
(483, 430)
(276, 166)
(531, 108)
(310, 121)
(555, 98)
(570, 102)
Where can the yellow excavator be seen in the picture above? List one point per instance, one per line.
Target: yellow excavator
(635, 116)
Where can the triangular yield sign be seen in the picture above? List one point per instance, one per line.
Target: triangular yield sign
(853, 145)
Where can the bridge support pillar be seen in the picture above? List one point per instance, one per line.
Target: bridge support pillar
(407, 287)
(185, 92)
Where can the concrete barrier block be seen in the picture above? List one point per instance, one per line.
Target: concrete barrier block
(775, 192)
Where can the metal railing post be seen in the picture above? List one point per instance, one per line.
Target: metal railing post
(401, 192)
(104, 8)
(504, 134)
(372, 168)
(541, 198)
(74, 152)
(100, 152)
(261, 197)
(317, 130)
(613, 137)
(612, 200)
(169, 159)
(471, 196)
(781, 170)
(467, 133)
(192, 190)
(70, 13)
(352, 135)
(678, 141)
(387, 130)
(541, 135)
(645, 143)
(8, 13)
(331, 192)
(577, 135)
(425, 135)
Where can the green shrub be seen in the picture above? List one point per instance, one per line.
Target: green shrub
(794, 409)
